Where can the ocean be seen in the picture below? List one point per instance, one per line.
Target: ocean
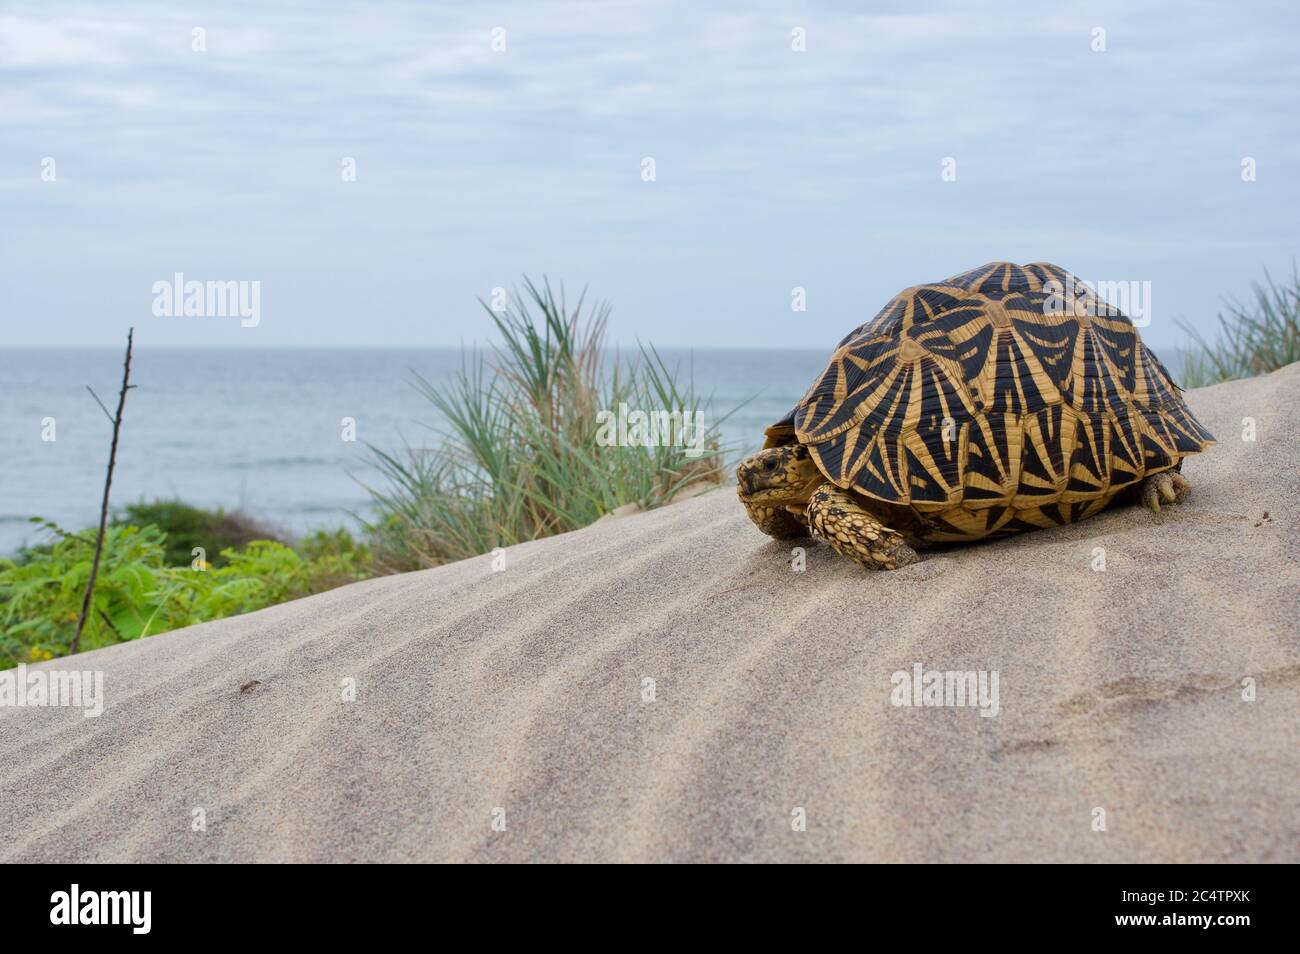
(261, 431)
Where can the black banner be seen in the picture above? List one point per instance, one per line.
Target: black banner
(207, 903)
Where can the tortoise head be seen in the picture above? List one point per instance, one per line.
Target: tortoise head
(778, 475)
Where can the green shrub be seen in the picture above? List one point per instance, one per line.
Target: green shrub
(1253, 339)
(518, 456)
(188, 527)
(139, 592)
(40, 598)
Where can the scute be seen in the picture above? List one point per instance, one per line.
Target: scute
(988, 404)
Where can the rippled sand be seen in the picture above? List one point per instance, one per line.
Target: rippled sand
(521, 696)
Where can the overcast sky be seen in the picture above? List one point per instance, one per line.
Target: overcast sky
(774, 168)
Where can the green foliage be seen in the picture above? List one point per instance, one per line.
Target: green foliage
(518, 457)
(40, 598)
(1253, 339)
(188, 527)
(140, 592)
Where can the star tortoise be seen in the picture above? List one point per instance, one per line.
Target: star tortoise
(1003, 399)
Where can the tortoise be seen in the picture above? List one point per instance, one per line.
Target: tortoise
(1004, 399)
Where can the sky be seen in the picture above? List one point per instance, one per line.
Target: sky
(693, 164)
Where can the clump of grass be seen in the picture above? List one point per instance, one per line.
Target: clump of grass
(519, 456)
(1253, 338)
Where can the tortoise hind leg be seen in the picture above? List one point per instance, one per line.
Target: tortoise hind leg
(1168, 486)
(838, 519)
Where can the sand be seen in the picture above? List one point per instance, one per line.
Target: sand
(519, 696)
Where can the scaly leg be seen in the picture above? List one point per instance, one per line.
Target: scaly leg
(776, 521)
(837, 518)
(1168, 486)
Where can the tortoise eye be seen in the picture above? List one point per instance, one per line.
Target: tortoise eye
(769, 464)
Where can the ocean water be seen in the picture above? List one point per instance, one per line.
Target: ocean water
(261, 430)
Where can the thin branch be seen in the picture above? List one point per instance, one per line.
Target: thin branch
(108, 483)
(101, 403)
(109, 622)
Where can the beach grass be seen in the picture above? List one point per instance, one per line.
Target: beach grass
(1254, 337)
(523, 448)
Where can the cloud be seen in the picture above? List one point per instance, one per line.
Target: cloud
(775, 167)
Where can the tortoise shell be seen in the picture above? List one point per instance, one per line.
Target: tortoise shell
(991, 403)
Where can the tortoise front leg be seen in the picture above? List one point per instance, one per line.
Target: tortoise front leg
(776, 521)
(836, 517)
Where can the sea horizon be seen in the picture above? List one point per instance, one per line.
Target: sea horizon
(260, 430)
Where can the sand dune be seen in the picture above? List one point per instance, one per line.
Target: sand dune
(524, 690)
